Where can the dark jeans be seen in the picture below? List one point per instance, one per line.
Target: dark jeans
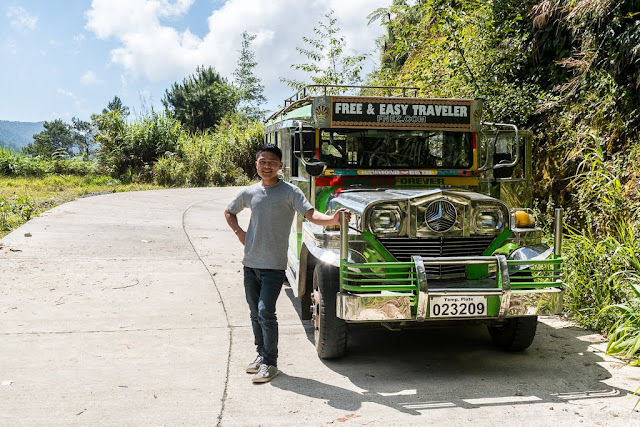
(262, 288)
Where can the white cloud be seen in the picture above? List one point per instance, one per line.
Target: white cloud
(68, 94)
(89, 78)
(152, 49)
(21, 19)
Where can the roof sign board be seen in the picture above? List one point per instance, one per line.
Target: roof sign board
(396, 113)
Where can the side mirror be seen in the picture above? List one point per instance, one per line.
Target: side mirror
(504, 147)
(503, 163)
(304, 143)
(315, 167)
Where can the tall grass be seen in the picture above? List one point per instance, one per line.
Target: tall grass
(597, 274)
(601, 257)
(16, 164)
(220, 157)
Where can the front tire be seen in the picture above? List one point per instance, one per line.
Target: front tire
(330, 332)
(515, 334)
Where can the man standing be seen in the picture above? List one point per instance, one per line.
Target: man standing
(273, 204)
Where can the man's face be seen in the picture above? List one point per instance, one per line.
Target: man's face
(268, 166)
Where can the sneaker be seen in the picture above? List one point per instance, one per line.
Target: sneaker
(265, 373)
(254, 367)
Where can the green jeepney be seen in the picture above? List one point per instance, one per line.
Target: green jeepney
(441, 228)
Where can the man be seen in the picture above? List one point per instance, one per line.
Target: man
(273, 204)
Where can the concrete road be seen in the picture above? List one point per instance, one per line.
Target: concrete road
(128, 309)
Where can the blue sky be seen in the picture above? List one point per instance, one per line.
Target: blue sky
(64, 59)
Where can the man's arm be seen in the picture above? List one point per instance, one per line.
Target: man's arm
(232, 220)
(319, 218)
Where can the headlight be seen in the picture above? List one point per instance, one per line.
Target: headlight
(489, 220)
(385, 219)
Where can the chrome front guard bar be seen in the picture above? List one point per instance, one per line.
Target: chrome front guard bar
(395, 306)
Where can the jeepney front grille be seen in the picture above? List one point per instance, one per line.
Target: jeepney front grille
(403, 248)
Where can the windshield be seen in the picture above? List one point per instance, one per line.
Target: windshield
(393, 149)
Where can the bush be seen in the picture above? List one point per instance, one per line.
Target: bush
(16, 210)
(198, 154)
(169, 171)
(601, 255)
(15, 164)
(128, 151)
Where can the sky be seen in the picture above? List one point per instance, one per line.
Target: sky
(68, 58)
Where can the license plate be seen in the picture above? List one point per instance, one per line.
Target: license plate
(457, 306)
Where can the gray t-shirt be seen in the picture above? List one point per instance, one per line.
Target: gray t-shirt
(272, 212)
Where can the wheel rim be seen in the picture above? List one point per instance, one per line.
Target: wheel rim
(315, 314)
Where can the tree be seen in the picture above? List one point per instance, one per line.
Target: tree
(110, 131)
(201, 100)
(83, 135)
(251, 90)
(57, 139)
(116, 104)
(393, 46)
(328, 64)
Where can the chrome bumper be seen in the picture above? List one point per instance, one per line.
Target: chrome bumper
(397, 307)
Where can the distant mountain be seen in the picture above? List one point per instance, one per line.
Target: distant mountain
(16, 135)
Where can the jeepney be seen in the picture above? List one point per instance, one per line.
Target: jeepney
(442, 229)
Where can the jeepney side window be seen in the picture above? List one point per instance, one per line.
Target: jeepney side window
(337, 149)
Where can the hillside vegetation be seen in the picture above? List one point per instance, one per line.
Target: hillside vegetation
(17, 135)
(570, 71)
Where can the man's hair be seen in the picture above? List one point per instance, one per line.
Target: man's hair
(270, 148)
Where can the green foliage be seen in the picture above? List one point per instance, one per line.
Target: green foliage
(624, 336)
(57, 137)
(83, 136)
(251, 90)
(110, 137)
(401, 22)
(201, 100)
(601, 200)
(116, 105)
(22, 165)
(220, 157)
(594, 281)
(239, 140)
(16, 210)
(601, 257)
(569, 70)
(15, 164)
(128, 151)
(169, 171)
(460, 50)
(328, 63)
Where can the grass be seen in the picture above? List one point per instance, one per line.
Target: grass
(22, 198)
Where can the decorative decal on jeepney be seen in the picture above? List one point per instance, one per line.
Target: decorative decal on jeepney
(403, 172)
(413, 113)
(397, 181)
(321, 118)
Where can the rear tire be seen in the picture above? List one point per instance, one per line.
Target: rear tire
(330, 332)
(515, 334)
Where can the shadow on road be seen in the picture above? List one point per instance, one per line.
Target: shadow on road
(415, 370)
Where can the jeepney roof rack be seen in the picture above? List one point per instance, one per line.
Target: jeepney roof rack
(305, 94)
